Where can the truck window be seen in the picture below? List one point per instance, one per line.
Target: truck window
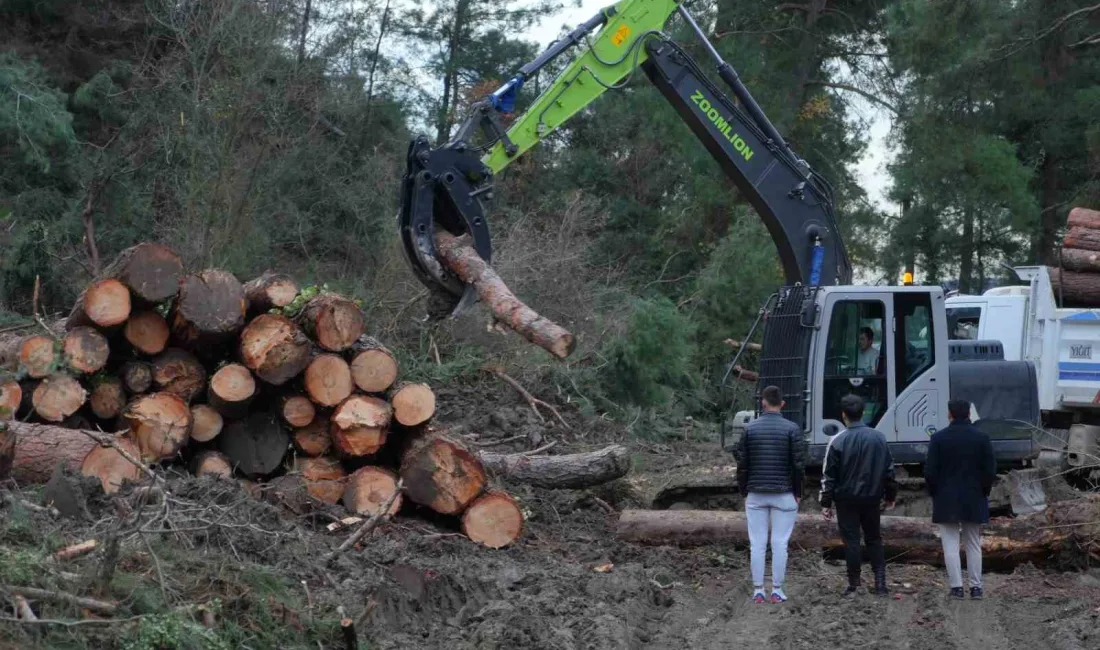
(915, 350)
(855, 360)
(962, 323)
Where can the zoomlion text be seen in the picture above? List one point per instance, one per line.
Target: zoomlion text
(723, 126)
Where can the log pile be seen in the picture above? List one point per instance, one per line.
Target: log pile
(1076, 282)
(276, 385)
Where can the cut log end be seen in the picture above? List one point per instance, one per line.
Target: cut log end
(328, 380)
(38, 356)
(108, 398)
(57, 397)
(111, 467)
(151, 271)
(209, 308)
(180, 373)
(105, 304)
(494, 520)
(324, 477)
(369, 489)
(256, 444)
(270, 290)
(85, 349)
(11, 396)
(362, 411)
(356, 442)
(297, 410)
(137, 377)
(274, 348)
(441, 473)
(313, 439)
(373, 367)
(147, 331)
(206, 423)
(231, 390)
(160, 424)
(413, 404)
(211, 463)
(333, 321)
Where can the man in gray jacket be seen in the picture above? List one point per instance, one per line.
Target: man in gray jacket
(771, 465)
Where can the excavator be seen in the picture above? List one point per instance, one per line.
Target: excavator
(822, 336)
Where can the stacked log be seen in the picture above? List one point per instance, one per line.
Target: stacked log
(259, 381)
(1076, 282)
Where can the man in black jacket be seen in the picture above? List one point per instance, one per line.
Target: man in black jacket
(771, 464)
(959, 472)
(857, 476)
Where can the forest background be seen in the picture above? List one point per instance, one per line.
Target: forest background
(254, 134)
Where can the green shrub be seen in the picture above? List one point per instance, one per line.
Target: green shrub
(653, 358)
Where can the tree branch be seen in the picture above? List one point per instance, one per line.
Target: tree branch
(859, 91)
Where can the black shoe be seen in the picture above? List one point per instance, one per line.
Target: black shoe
(852, 590)
(975, 593)
(881, 590)
(957, 592)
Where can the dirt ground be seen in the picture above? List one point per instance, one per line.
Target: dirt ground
(569, 584)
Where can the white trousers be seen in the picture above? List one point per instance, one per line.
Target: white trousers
(775, 513)
(972, 537)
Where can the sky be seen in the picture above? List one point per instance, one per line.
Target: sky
(870, 172)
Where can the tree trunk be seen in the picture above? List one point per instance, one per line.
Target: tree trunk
(1084, 218)
(369, 488)
(966, 261)
(1080, 289)
(459, 256)
(269, 290)
(373, 367)
(1075, 259)
(572, 471)
(104, 304)
(214, 463)
(274, 348)
(413, 404)
(494, 519)
(151, 271)
(313, 439)
(1082, 238)
(1029, 538)
(57, 397)
(11, 396)
(206, 423)
(255, 445)
(333, 321)
(86, 349)
(178, 372)
(160, 424)
(108, 398)
(441, 473)
(328, 380)
(137, 377)
(297, 410)
(231, 390)
(39, 448)
(38, 355)
(147, 331)
(325, 477)
(209, 309)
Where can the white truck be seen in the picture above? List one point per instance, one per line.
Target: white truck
(1062, 343)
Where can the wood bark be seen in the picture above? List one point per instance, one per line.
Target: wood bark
(572, 471)
(147, 331)
(269, 290)
(1076, 288)
(137, 376)
(441, 473)
(151, 271)
(40, 447)
(459, 256)
(1084, 218)
(38, 355)
(160, 424)
(1083, 238)
(1076, 259)
(369, 488)
(1028, 538)
(333, 321)
(231, 390)
(180, 373)
(373, 366)
(413, 404)
(57, 397)
(108, 398)
(324, 476)
(104, 304)
(274, 348)
(86, 349)
(328, 380)
(494, 519)
(255, 445)
(313, 439)
(297, 410)
(212, 463)
(206, 423)
(208, 310)
(11, 396)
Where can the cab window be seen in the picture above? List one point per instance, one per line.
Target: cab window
(855, 359)
(962, 323)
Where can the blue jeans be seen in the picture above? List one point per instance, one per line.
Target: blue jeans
(777, 512)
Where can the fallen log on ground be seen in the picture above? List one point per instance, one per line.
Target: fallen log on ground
(567, 471)
(39, 448)
(1030, 538)
(459, 256)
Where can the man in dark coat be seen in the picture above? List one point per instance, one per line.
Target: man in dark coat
(959, 472)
